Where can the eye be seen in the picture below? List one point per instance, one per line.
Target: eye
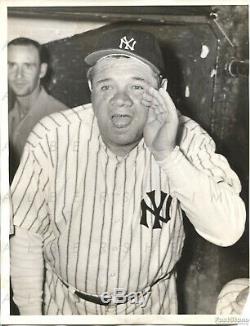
(28, 65)
(106, 87)
(11, 65)
(137, 87)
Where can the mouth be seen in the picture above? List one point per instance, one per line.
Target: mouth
(20, 84)
(121, 120)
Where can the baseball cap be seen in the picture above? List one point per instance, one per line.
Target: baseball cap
(133, 43)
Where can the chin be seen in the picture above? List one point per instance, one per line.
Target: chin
(19, 92)
(125, 139)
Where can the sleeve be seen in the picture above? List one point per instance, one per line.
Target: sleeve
(207, 188)
(233, 297)
(28, 193)
(31, 220)
(27, 271)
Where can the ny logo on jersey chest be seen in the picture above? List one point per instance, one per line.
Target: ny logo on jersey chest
(156, 210)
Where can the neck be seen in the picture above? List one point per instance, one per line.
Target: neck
(121, 150)
(24, 103)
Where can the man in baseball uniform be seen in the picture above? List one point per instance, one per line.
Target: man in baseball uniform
(99, 194)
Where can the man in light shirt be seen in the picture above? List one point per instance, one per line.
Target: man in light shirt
(27, 66)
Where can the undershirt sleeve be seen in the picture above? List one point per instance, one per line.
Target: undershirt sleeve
(27, 271)
(207, 188)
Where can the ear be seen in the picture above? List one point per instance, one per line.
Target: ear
(164, 84)
(43, 69)
(90, 85)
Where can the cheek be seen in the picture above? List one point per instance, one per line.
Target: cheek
(10, 77)
(100, 108)
(145, 116)
(33, 76)
(136, 96)
(141, 115)
(36, 76)
(99, 99)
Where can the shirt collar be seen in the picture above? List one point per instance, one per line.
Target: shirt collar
(40, 99)
(133, 153)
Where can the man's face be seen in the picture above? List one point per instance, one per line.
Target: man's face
(117, 88)
(24, 69)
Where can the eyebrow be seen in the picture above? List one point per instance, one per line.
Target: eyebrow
(103, 80)
(139, 78)
(108, 79)
(30, 63)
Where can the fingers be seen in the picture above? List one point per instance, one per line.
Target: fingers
(158, 100)
(148, 100)
(152, 99)
(168, 101)
(160, 104)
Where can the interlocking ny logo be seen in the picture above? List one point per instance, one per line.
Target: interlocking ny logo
(156, 209)
(129, 45)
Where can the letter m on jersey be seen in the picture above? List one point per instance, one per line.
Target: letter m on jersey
(156, 210)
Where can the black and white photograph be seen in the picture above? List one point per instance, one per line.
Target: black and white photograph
(125, 163)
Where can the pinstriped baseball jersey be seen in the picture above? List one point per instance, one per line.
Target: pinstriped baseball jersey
(106, 221)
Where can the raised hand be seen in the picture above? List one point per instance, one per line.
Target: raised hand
(161, 128)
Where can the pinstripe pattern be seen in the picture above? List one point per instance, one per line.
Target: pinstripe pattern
(70, 232)
(97, 290)
(88, 260)
(85, 202)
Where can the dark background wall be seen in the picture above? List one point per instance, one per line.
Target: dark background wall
(198, 44)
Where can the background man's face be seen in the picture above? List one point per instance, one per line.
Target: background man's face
(117, 88)
(24, 69)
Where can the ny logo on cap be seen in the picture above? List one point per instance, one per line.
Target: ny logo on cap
(129, 45)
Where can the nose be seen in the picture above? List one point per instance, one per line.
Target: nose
(121, 99)
(19, 72)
